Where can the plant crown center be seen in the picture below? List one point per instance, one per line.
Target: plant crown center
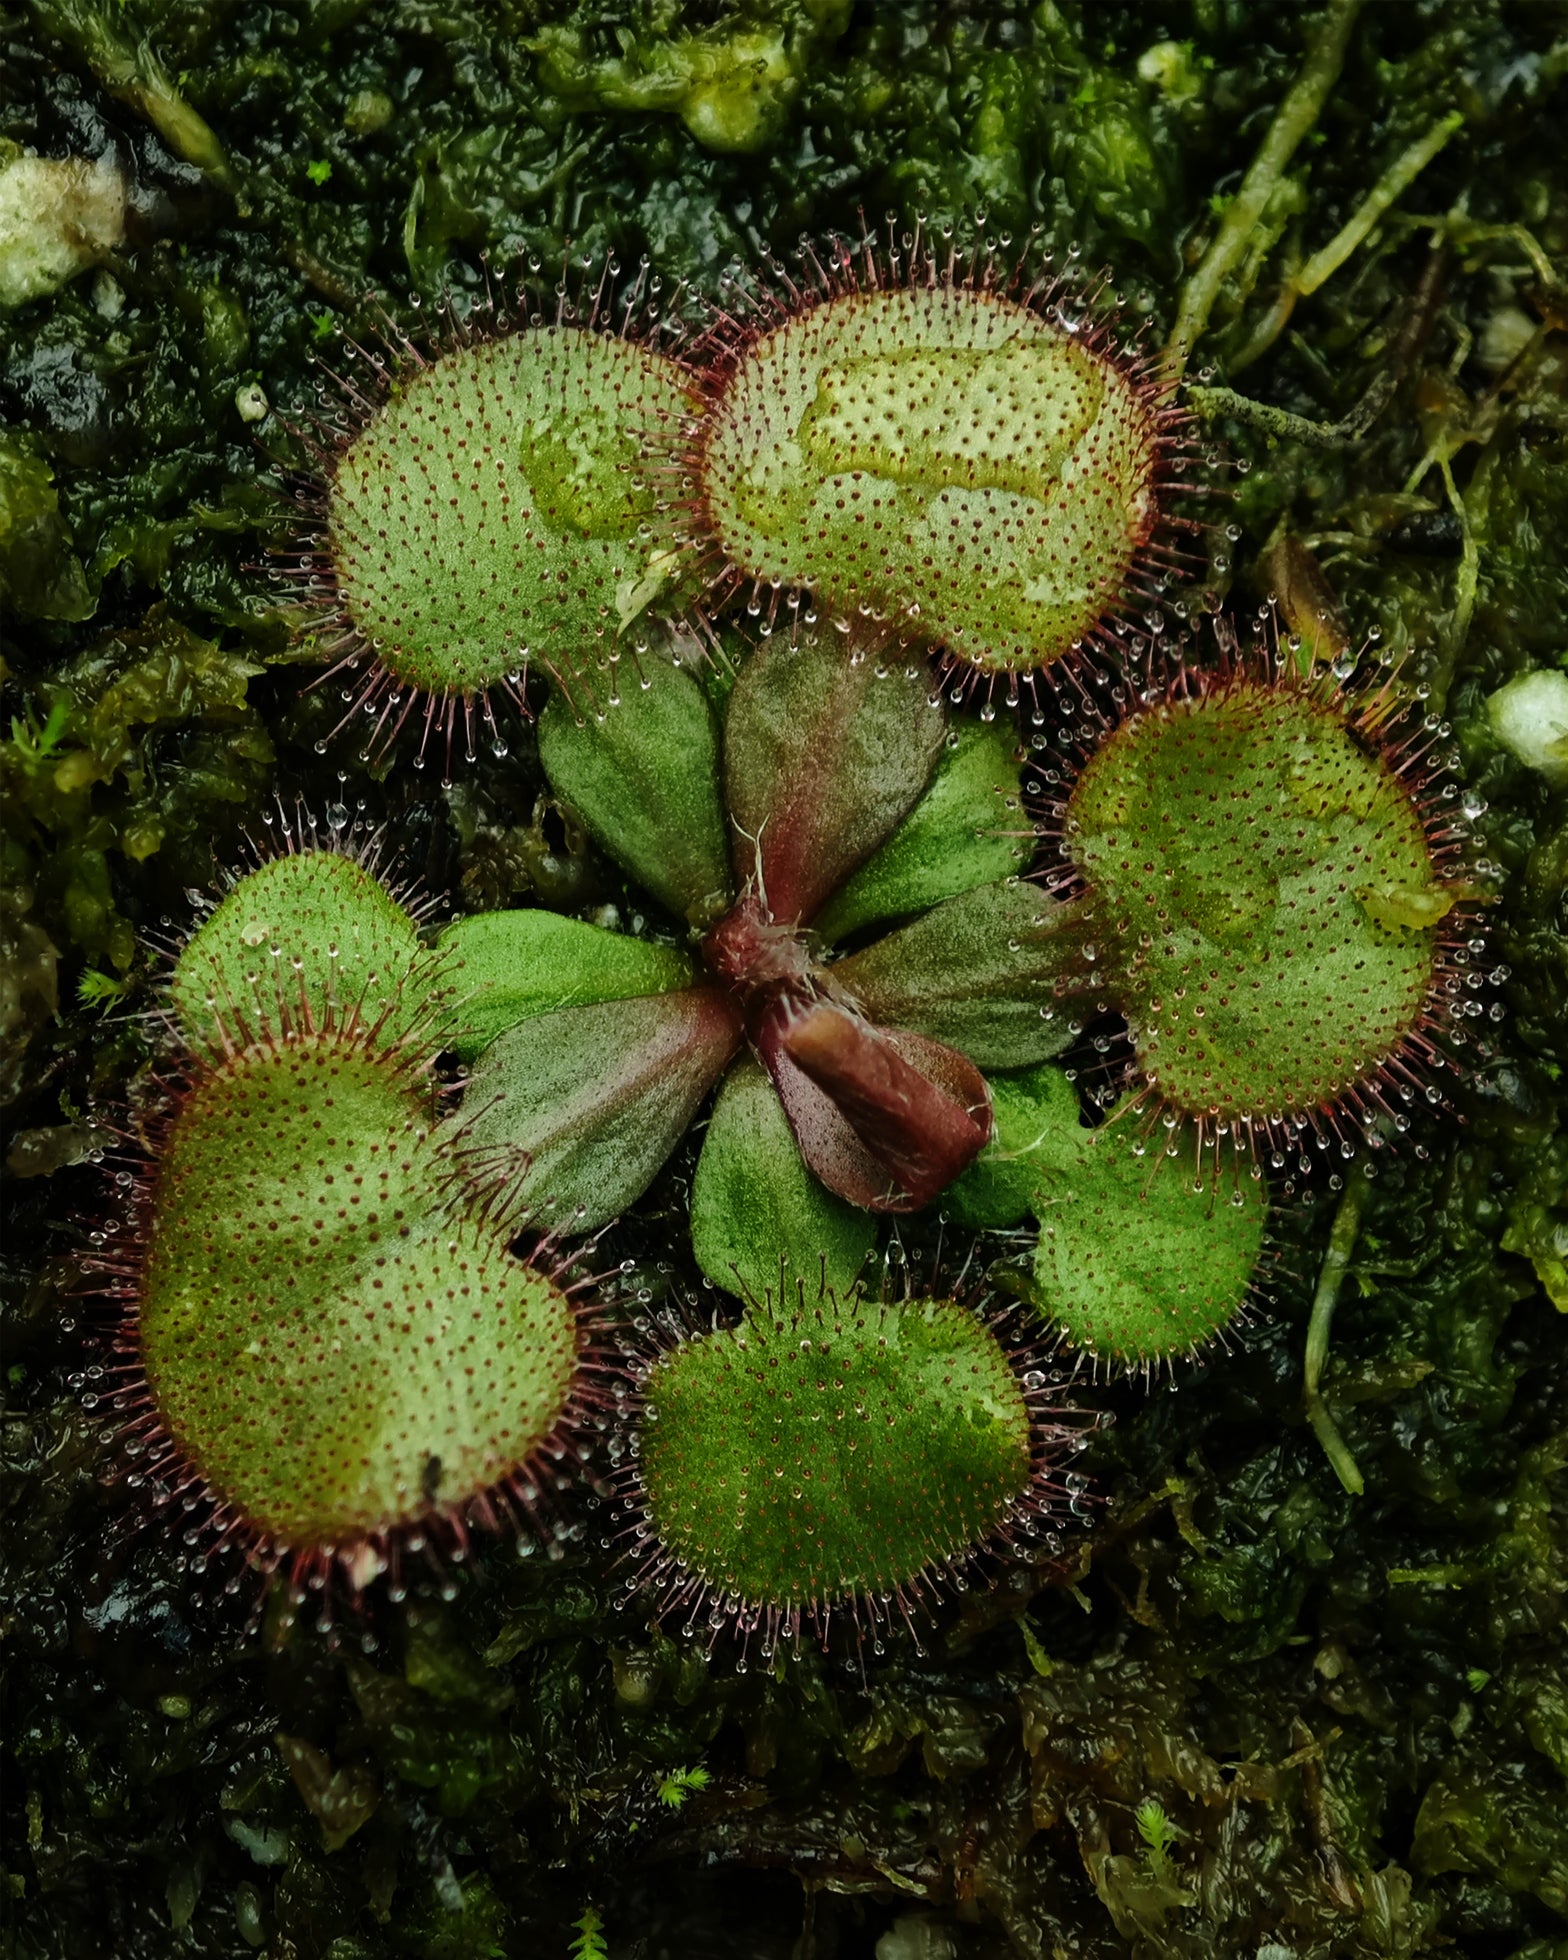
(756, 956)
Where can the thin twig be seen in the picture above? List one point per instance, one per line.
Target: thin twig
(1393, 183)
(1294, 119)
(132, 70)
(1281, 422)
(1336, 1262)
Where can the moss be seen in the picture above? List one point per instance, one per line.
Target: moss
(1337, 1702)
(40, 575)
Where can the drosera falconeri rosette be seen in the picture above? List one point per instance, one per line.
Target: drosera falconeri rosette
(748, 808)
(872, 914)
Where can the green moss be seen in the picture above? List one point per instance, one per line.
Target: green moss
(40, 575)
(732, 85)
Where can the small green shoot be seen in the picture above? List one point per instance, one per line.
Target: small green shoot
(318, 170)
(677, 1785)
(589, 1943)
(1159, 1834)
(1476, 1679)
(1039, 1659)
(101, 990)
(35, 745)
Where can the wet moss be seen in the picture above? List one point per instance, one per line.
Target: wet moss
(1344, 1707)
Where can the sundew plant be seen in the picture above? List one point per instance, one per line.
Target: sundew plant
(784, 991)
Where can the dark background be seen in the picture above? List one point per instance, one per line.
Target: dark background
(1352, 1709)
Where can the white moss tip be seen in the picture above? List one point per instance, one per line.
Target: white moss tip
(57, 217)
(1529, 716)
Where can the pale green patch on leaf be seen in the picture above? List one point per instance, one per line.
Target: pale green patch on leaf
(1529, 716)
(1416, 907)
